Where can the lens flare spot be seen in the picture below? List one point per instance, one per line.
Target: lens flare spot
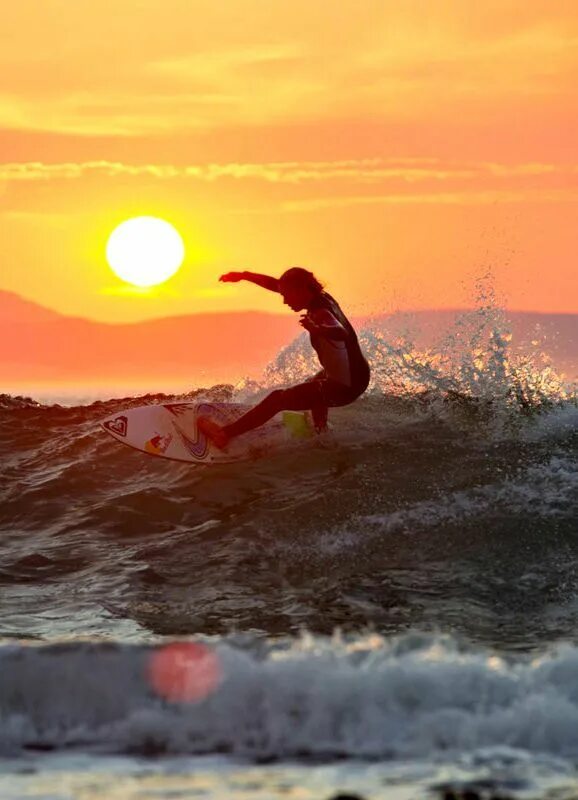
(184, 672)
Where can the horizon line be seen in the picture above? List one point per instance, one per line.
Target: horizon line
(405, 310)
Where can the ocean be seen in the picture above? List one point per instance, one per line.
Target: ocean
(387, 611)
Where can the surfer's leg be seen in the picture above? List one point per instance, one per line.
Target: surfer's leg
(221, 435)
(297, 398)
(320, 414)
(320, 410)
(308, 396)
(302, 397)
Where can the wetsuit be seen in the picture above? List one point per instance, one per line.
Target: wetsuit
(344, 377)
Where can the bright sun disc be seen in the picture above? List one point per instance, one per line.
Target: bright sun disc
(145, 251)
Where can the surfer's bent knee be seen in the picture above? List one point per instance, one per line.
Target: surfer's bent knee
(338, 395)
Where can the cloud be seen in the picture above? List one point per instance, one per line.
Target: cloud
(438, 198)
(185, 65)
(225, 63)
(363, 170)
(314, 185)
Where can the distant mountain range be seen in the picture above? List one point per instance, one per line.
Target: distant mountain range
(37, 344)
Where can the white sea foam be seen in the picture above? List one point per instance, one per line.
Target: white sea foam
(546, 490)
(410, 697)
(551, 425)
(476, 362)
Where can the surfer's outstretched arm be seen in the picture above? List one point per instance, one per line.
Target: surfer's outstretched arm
(265, 281)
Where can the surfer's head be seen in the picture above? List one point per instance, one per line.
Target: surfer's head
(299, 288)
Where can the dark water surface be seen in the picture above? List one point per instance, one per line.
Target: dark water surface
(401, 591)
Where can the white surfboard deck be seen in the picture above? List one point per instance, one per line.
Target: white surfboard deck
(169, 430)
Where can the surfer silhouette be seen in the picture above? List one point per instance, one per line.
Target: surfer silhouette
(345, 372)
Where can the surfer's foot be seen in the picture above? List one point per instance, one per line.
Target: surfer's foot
(214, 432)
(319, 416)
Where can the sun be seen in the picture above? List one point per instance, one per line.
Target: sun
(145, 251)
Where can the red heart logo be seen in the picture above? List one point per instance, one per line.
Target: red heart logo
(117, 425)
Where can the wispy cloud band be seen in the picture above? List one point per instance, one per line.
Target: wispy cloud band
(438, 198)
(363, 170)
(317, 185)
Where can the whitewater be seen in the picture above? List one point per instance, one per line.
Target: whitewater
(389, 610)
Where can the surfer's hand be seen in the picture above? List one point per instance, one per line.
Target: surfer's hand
(232, 277)
(308, 323)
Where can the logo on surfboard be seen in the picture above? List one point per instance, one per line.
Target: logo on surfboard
(158, 444)
(117, 426)
(197, 447)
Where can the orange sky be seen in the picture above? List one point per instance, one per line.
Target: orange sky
(398, 148)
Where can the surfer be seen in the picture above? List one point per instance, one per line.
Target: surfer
(345, 372)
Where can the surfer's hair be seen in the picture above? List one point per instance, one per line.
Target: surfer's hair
(297, 276)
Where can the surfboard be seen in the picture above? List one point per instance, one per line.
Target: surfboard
(169, 430)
